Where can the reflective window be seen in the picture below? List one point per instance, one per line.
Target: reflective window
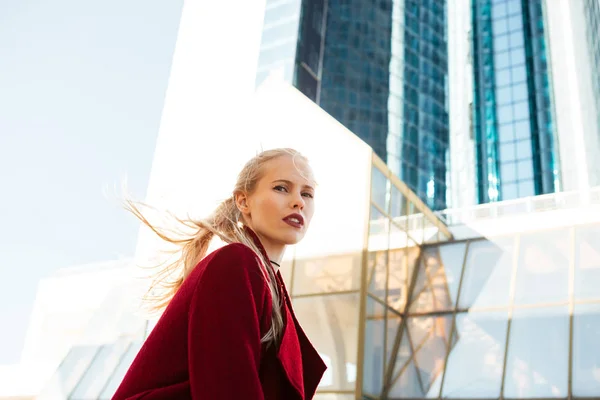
(507, 152)
(543, 270)
(98, 373)
(525, 169)
(586, 352)
(526, 188)
(331, 274)
(374, 348)
(518, 74)
(421, 357)
(522, 130)
(538, 353)
(439, 276)
(74, 365)
(120, 371)
(514, 7)
(401, 267)
(510, 191)
(379, 188)
(502, 60)
(481, 338)
(331, 323)
(429, 337)
(523, 149)
(587, 262)
(487, 275)
(377, 279)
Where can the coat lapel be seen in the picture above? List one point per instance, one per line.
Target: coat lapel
(310, 364)
(299, 359)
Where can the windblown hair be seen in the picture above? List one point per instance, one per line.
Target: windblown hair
(226, 223)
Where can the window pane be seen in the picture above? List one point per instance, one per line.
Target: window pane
(538, 353)
(487, 273)
(508, 172)
(331, 274)
(374, 348)
(523, 149)
(510, 191)
(502, 60)
(521, 111)
(100, 370)
(379, 185)
(518, 74)
(516, 39)
(502, 77)
(503, 96)
(519, 92)
(429, 343)
(378, 273)
(515, 23)
(480, 351)
(499, 26)
(525, 169)
(526, 188)
(506, 132)
(331, 323)
(498, 9)
(505, 114)
(401, 267)
(500, 43)
(439, 277)
(120, 371)
(586, 352)
(543, 270)
(74, 366)
(378, 230)
(514, 7)
(522, 130)
(507, 152)
(517, 56)
(587, 262)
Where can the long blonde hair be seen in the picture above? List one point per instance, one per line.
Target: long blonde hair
(226, 223)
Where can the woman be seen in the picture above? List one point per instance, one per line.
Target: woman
(228, 331)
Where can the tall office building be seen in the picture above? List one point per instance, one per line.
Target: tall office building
(516, 148)
(532, 117)
(379, 68)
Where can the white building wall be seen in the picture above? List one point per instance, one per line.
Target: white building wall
(575, 110)
(462, 187)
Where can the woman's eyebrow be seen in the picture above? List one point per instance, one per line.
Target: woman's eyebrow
(291, 183)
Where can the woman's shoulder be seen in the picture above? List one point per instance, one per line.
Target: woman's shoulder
(231, 261)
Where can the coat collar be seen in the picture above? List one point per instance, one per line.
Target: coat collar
(301, 362)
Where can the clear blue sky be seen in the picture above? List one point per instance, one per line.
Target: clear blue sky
(82, 87)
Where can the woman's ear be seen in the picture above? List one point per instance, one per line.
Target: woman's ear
(241, 201)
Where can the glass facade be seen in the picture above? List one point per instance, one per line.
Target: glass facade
(508, 317)
(378, 68)
(592, 15)
(514, 135)
(93, 371)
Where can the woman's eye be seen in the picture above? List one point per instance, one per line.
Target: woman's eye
(309, 195)
(280, 188)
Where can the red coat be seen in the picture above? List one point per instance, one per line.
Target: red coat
(207, 344)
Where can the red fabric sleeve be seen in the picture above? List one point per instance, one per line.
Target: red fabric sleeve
(224, 327)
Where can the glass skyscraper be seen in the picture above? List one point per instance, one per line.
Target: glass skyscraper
(516, 149)
(378, 67)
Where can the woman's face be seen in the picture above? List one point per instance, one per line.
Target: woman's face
(281, 207)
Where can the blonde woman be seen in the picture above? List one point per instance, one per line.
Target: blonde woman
(228, 330)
